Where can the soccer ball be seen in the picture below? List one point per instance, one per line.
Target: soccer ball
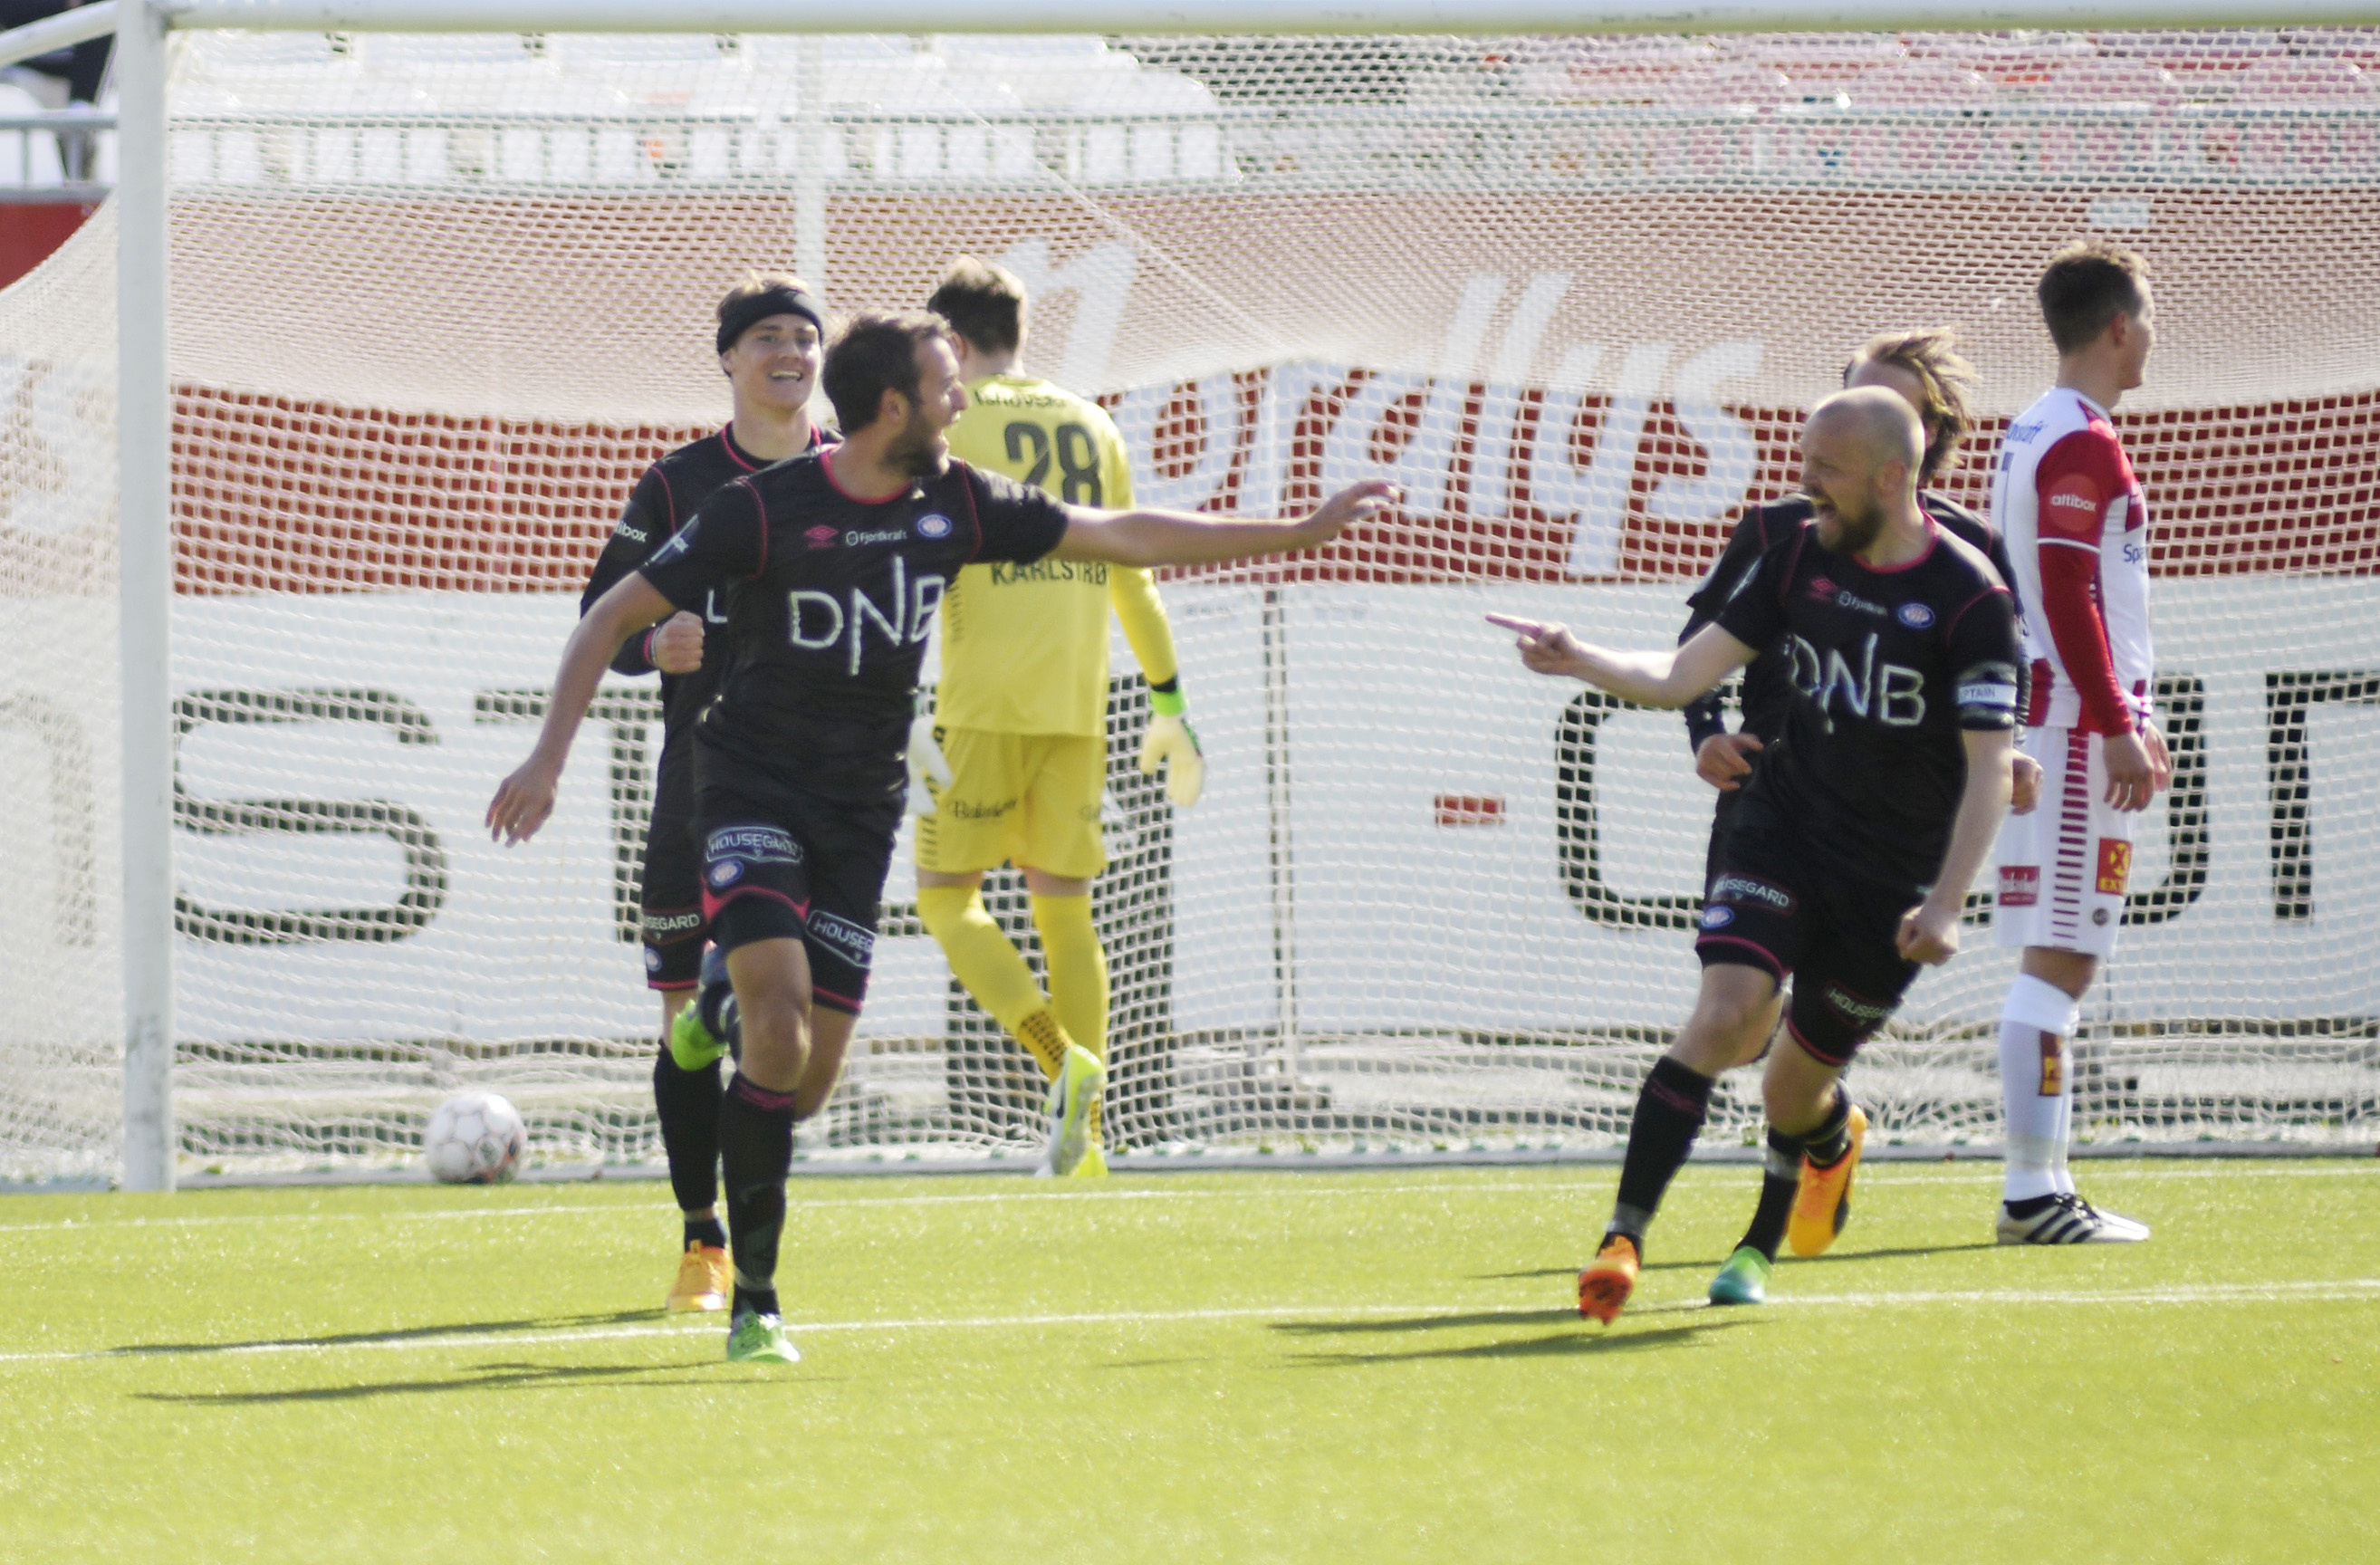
(474, 1138)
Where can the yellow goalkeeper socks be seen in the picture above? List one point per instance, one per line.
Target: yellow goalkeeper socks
(1078, 971)
(982, 958)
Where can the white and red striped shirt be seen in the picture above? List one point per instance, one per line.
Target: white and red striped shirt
(2078, 533)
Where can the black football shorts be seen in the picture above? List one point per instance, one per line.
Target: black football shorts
(779, 863)
(673, 920)
(1777, 905)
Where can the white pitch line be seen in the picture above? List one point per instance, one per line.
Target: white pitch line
(1292, 1189)
(2321, 1290)
(2332, 1290)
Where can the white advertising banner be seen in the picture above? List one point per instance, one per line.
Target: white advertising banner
(1403, 824)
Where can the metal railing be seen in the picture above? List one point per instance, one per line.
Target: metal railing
(61, 155)
(1316, 149)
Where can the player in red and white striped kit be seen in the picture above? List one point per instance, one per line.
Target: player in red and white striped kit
(2078, 534)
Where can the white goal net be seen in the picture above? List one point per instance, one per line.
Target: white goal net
(436, 301)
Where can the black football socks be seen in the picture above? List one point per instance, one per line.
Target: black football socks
(1780, 1175)
(1670, 1112)
(688, 1104)
(756, 1150)
(1827, 1143)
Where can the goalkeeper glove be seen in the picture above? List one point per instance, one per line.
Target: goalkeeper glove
(1173, 743)
(925, 761)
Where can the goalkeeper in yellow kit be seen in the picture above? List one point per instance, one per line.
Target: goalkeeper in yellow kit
(1012, 765)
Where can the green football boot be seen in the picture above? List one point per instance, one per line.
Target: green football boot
(692, 1045)
(1744, 1278)
(759, 1339)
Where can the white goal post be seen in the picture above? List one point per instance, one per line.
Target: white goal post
(1277, 379)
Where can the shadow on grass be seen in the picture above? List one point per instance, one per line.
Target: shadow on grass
(1581, 1341)
(1572, 1271)
(1715, 1262)
(1376, 1324)
(1832, 1257)
(406, 1334)
(486, 1378)
(1153, 1363)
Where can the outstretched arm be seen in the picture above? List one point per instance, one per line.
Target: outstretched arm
(1707, 715)
(1197, 538)
(525, 799)
(1651, 679)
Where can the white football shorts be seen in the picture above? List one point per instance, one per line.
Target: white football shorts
(2064, 867)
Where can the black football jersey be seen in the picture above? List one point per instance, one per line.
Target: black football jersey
(1767, 691)
(830, 600)
(1886, 669)
(665, 499)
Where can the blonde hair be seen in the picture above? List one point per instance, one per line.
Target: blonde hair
(1944, 377)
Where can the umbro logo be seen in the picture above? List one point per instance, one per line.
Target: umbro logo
(821, 537)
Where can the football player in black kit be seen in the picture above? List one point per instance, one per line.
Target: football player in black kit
(834, 564)
(771, 342)
(1927, 369)
(1850, 856)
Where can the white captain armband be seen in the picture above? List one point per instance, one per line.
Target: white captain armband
(1987, 697)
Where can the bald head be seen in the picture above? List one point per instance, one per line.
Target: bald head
(1876, 421)
(1861, 453)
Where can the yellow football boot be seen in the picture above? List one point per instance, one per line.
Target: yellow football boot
(704, 1276)
(1080, 1080)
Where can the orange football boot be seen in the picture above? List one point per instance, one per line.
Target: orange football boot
(1822, 1201)
(1604, 1286)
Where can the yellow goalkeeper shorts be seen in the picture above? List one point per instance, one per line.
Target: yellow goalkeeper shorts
(1027, 799)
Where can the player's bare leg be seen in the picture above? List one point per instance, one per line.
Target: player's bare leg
(1732, 1018)
(831, 1033)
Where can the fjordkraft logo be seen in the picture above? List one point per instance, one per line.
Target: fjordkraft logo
(2019, 885)
(2053, 1065)
(2115, 866)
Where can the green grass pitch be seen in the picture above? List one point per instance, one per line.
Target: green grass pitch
(1218, 1367)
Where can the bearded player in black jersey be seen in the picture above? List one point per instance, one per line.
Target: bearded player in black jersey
(1928, 370)
(771, 342)
(1849, 859)
(833, 565)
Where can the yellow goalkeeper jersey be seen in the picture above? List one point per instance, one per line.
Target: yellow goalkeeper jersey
(1024, 648)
